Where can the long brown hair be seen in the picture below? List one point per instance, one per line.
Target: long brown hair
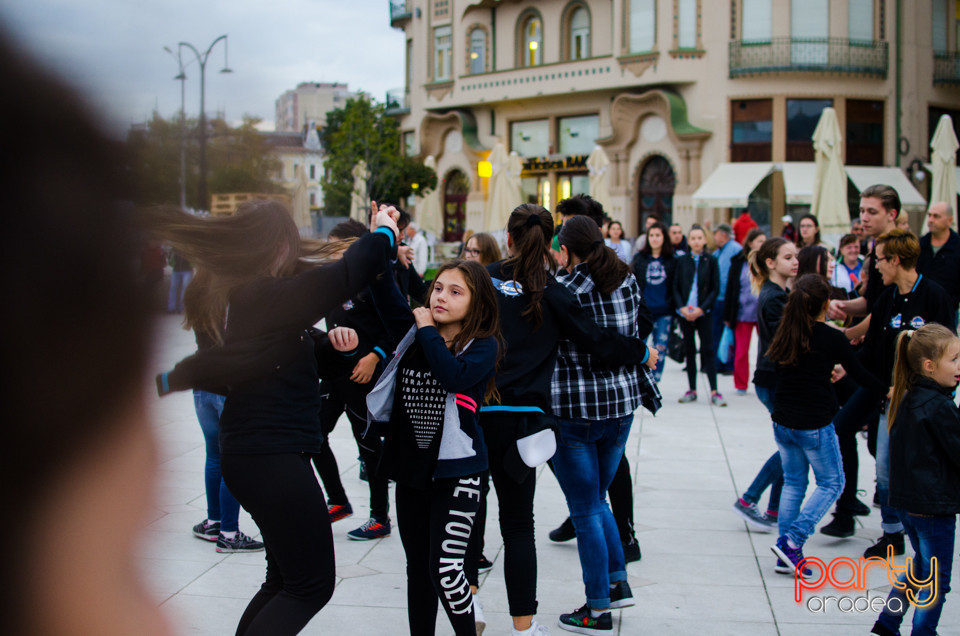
(531, 228)
(260, 240)
(483, 315)
(581, 236)
(488, 246)
(759, 272)
(929, 342)
(804, 305)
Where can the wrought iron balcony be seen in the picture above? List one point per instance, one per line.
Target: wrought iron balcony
(946, 68)
(398, 102)
(400, 12)
(809, 55)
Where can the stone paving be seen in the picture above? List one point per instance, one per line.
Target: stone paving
(702, 573)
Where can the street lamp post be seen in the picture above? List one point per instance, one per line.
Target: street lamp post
(183, 135)
(202, 202)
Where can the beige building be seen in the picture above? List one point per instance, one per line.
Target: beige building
(672, 90)
(296, 149)
(309, 101)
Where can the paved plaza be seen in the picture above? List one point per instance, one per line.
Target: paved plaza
(702, 573)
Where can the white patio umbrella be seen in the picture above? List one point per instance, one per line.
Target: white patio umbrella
(429, 211)
(830, 182)
(599, 166)
(944, 154)
(358, 198)
(500, 199)
(514, 169)
(301, 204)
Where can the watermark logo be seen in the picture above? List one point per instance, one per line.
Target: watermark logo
(844, 573)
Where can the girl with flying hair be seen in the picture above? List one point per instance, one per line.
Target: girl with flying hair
(536, 312)
(259, 290)
(924, 429)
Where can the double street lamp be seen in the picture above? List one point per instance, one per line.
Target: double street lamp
(202, 202)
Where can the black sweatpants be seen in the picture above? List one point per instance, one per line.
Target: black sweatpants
(860, 410)
(285, 500)
(370, 447)
(703, 326)
(435, 528)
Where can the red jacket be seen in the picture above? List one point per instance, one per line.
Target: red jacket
(742, 227)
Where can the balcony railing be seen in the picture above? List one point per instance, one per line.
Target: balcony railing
(946, 68)
(809, 55)
(398, 102)
(399, 12)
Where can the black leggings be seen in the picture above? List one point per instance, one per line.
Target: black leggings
(370, 447)
(285, 500)
(704, 326)
(861, 409)
(435, 527)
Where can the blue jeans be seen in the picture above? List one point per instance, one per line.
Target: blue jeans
(800, 450)
(930, 537)
(771, 474)
(587, 458)
(889, 517)
(660, 335)
(220, 503)
(178, 284)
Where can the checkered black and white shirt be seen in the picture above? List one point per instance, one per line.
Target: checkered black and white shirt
(582, 388)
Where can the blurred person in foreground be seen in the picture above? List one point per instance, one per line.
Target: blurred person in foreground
(78, 457)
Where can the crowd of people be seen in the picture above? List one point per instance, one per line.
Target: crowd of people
(493, 368)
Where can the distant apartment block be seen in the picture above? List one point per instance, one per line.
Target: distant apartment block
(309, 101)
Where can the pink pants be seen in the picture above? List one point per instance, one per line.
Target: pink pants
(741, 355)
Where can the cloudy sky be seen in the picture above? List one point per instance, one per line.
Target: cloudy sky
(112, 50)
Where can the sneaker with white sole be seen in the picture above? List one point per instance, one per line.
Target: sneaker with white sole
(582, 621)
(239, 543)
(372, 529)
(535, 629)
(789, 558)
(756, 520)
(689, 396)
(621, 595)
(717, 400)
(484, 565)
(207, 530)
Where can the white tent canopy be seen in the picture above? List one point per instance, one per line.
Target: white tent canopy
(798, 177)
(866, 176)
(730, 184)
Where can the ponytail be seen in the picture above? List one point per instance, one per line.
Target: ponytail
(929, 342)
(759, 272)
(581, 236)
(531, 228)
(804, 305)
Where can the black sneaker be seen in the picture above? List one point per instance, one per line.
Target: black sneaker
(484, 565)
(565, 532)
(206, 530)
(582, 622)
(879, 549)
(842, 526)
(239, 543)
(859, 509)
(621, 595)
(631, 551)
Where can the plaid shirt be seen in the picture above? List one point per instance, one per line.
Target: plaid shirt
(584, 389)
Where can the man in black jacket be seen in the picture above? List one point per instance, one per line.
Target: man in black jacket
(940, 253)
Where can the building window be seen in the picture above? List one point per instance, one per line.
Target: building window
(442, 41)
(313, 171)
(864, 132)
(578, 135)
(531, 40)
(686, 24)
(860, 19)
(579, 34)
(409, 143)
(313, 197)
(295, 166)
(530, 138)
(408, 68)
(757, 20)
(809, 20)
(643, 25)
(802, 118)
(940, 26)
(751, 136)
(478, 51)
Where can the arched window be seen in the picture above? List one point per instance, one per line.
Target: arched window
(478, 51)
(532, 53)
(579, 34)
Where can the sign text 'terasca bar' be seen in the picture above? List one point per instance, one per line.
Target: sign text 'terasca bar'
(573, 162)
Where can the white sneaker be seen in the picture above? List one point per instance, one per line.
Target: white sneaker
(536, 629)
(478, 615)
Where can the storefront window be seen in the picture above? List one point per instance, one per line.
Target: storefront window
(864, 132)
(577, 135)
(530, 138)
(752, 130)
(802, 118)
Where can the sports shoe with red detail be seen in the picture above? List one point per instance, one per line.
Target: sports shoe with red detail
(339, 511)
(372, 529)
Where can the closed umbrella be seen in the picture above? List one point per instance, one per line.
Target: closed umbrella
(358, 198)
(944, 154)
(301, 204)
(429, 211)
(830, 181)
(599, 166)
(501, 201)
(514, 169)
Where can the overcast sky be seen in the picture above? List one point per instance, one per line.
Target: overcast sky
(112, 50)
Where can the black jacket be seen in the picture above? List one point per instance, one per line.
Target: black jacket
(942, 267)
(731, 303)
(708, 281)
(925, 452)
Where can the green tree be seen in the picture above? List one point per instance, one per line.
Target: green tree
(362, 131)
